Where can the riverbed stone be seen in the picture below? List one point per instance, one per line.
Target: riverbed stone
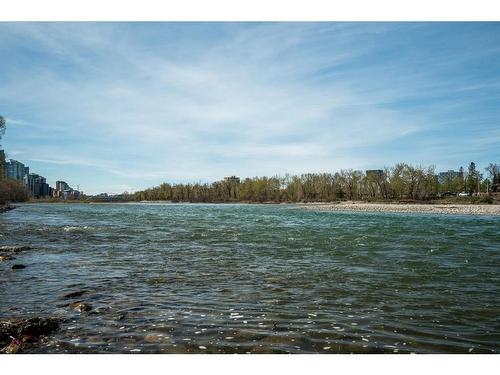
(18, 266)
(80, 306)
(6, 257)
(15, 332)
(75, 294)
(14, 248)
(12, 348)
(154, 338)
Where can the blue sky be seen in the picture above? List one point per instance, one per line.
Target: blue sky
(125, 106)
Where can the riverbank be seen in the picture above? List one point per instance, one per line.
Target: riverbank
(450, 209)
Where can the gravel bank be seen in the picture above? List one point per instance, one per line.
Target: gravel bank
(450, 209)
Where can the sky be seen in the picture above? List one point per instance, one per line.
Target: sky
(116, 107)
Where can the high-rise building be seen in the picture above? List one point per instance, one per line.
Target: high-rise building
(37, 185)
(61, 186)
(15, 170)
(2, 164)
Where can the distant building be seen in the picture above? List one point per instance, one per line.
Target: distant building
(34, 185)
(448, 175)
(67, 194)
(61, 186)
(15, 170)
(37, 186)
(26, 177)
(232, 179)
(2, 164)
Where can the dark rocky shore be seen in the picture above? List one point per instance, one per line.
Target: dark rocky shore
(19, 334)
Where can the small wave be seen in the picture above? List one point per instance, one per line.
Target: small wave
(69, 228)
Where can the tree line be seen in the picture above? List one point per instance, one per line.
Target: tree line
(400, 182)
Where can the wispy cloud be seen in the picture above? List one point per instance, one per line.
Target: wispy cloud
(136, 104)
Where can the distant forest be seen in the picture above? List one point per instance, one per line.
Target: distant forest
(403, 181)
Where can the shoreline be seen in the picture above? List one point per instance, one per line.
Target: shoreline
(446, 209)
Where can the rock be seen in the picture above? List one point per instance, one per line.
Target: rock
(121, 317)
(16, 331)
(75, 294)
(6, 208)
(6, 257)
(152, 338)
(158, 280)
(18, 266)
(12, 348)
(13, 249)
(80, 306)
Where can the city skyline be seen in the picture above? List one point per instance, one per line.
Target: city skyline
(117, 107)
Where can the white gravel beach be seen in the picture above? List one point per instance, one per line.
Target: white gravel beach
(451, 209)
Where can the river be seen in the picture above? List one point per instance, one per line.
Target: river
(223, 278)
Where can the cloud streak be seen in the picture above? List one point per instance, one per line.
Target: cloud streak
(136, 104)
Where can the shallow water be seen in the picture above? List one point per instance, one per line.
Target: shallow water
(177, 278)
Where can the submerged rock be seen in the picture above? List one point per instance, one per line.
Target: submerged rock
(14, 333)
(151, 338)
(75, 294)
(13, 249)
(6, 257)
(158, 280)
(6, 208)
(12, 348)
(18, 266)
(121, 317)
(80, 306)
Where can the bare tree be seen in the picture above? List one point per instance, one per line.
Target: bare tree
(493, 169)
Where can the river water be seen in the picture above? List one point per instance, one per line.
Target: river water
(193, 278)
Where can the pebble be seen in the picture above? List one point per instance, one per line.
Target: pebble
(12, 348)
(21, 330)
(462, 209)
(80, 306)
(152, 338)
(14, 249)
